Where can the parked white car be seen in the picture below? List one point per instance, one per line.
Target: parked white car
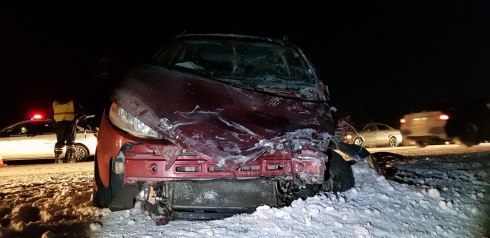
(35, 139)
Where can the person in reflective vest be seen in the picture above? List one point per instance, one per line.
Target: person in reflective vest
(66, 114)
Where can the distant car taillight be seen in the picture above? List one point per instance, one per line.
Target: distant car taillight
(96, 135)
(443, 117)
(402, 121)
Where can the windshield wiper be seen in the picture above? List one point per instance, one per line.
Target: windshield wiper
(234, 82)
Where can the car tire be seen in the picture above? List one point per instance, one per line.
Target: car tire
(469, 135)
(81, 153)
(117, 196)
(338, 174)
(358, 141)
(393, 142)
(420, 144)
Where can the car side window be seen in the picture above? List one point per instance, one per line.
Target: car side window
(20, 130)
(45, 128)
(34, 130)
(382, 128)
(371, 128)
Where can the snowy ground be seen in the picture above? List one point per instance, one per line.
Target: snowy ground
(444, 193)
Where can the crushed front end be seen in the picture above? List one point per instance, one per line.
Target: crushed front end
(196, 187)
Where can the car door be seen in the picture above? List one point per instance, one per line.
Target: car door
(46, 138)
(383, 134)
(8, 144)
(22, 142)
(369, 133)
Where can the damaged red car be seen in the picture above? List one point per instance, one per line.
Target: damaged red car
(214, 125)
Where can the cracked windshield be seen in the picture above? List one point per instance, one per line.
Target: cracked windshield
(240, 62)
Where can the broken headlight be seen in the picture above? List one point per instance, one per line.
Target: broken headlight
(127, 122)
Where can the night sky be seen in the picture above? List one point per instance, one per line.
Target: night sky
(380, 59)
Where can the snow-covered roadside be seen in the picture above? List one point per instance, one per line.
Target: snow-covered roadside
(47, 197)
(444, 195)
(446, 200)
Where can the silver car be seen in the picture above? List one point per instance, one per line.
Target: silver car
(372, 135)
(35, 139)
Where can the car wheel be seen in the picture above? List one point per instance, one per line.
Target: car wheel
(393, 142)
(338, 175)
(420, 144)
(358, 141)
(469, 136)
(81, 153)
(117, 196)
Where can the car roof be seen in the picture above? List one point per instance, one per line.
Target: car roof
(26, 121)
(361, 126)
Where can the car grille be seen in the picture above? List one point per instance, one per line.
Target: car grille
(223, 194)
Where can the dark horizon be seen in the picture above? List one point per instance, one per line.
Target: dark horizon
(380, 60)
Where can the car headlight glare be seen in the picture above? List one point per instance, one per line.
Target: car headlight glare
(127, 122)
(348, 136)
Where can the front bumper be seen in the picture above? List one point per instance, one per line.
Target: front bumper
(144, 164)
(150, 160)
(190, 185)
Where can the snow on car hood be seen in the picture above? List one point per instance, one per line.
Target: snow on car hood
(228, 124)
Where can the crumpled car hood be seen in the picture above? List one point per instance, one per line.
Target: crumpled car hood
(230, 125)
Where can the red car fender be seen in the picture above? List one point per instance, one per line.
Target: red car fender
(109, 143)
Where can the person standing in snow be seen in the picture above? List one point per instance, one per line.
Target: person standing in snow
(67, 113)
